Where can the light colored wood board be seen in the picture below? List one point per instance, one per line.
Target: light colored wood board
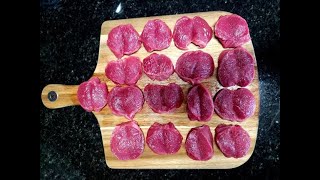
(146, 116)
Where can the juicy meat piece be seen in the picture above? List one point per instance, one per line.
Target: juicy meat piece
(183, 32)
(199, 143)
(123, 40)
(163, 98)
(124, 71)
(202, 32)
(194, 66)
(164, 138)
(199, 103)
(232, 140)
(232, 31)
(158, 67)
(127, 141)
(236, 67)
(156, 35)
(187, 30)
(234, 105)
(125, 101)
(92, 95)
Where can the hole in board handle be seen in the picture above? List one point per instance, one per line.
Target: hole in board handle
(52, 96)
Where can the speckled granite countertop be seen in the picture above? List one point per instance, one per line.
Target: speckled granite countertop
(70, 139)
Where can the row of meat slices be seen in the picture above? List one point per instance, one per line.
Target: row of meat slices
(235, 67)
(129, 70)
(231, 30)
(233, 105)
(127, 141)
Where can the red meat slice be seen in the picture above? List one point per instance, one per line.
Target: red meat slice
(183, 32)
(202, 32)
(199, 143)
(92, 95)
(123, 40)
(232, 140)
(232, 31)
(236, 67)
(194, 66)
(124, 71)
(164, 138)
(125, 101)
(158, 67)
(187, 30)
(199, 103)
(156, 35)
(234, 105)
(163, 98)
(127, 141)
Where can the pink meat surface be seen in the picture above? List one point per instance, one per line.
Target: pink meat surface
(202, 32)
(156, 35)
(187, 30)
(124, 71)
(194, 66)
(164, 138)
(199, 103)
(232, 31)
(232, 140)
(163, 98)
(236, 67)
(125, 101)
(199, 143)
(127, 141)
(92, 95)
(234, 105)
(183, 32)
(158, 67)
(123, 40)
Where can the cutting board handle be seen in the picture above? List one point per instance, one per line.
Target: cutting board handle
(55, 96)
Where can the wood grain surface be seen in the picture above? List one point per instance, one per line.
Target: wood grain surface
(67, 96)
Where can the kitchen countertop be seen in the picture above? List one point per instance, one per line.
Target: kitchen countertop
(70, 139)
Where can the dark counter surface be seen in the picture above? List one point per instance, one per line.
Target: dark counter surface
(70, 139)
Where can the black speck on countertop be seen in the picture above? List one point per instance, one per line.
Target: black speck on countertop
(70, 139)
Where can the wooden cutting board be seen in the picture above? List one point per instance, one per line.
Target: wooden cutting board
(67, 96)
